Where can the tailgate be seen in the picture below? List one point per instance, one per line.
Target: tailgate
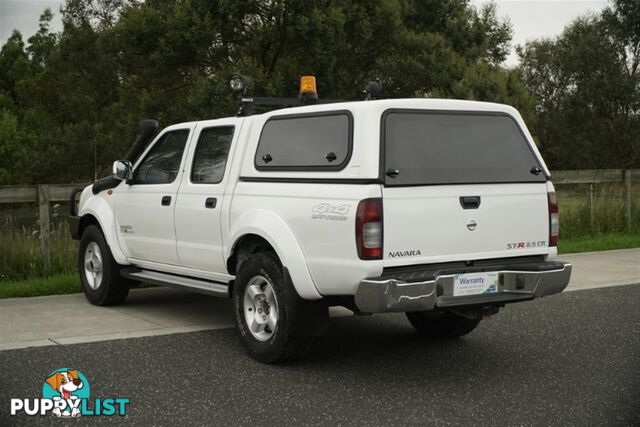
(434, 224)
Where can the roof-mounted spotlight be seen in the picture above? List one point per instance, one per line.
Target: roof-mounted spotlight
(372, 90)
(238, 83)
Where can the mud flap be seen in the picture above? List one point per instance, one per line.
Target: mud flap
(306, 318)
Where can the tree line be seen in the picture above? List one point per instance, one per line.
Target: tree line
(70, 100)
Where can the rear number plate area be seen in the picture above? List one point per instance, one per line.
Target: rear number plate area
(475, 284)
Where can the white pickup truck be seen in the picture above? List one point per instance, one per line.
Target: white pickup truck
(441, 209)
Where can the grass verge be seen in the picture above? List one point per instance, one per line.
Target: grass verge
(52, 285)
(599, 242)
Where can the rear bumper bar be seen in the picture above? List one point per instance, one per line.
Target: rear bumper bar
(391, 294)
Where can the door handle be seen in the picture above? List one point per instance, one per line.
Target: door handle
(470, 202)
(210, 203)
(166, 200)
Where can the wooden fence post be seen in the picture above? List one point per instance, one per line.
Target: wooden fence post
(45, 227)
(627, 197)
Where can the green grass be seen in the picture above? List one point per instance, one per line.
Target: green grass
(22, 272)
(53, 285)
(598, 242)
(608, 217)
(21, 258)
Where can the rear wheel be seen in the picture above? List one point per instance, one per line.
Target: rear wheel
(441, 325)
(261, 299)
(99, 273)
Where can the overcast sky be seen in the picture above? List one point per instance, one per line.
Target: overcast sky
(534, 19)
(531, 19)
(23, 15)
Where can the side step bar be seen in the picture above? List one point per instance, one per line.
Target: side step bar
(166, 279)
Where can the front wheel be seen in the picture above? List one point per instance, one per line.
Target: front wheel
(441, 325)
(99, 273)
(261, 299)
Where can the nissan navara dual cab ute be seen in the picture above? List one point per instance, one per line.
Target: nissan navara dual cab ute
(441, 209)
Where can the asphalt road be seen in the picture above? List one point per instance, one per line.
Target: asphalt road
(568, 359)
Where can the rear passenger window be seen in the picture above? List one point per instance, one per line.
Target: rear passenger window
(306, 142)
(211, 154)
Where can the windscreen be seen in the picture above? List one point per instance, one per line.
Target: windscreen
(428, 148)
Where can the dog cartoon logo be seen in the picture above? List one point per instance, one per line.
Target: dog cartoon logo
(65, 393)
(66, 387)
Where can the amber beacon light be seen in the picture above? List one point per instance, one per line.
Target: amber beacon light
(308, 88)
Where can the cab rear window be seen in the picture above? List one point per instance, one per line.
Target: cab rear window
(306, 142)
(427, 148)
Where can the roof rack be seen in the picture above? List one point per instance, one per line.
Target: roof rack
(308, 95)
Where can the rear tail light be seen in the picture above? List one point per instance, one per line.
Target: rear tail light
(369, 229)
(554, 219)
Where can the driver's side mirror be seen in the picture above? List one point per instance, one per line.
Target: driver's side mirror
(123, 169)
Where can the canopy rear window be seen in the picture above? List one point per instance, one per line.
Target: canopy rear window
(306, 142)
(429, 147)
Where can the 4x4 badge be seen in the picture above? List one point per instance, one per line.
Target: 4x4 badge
(471, 225)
